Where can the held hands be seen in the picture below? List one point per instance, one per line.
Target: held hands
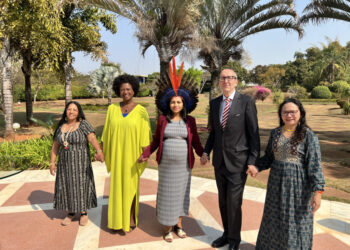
(99, 156)
(142, 159)
(252, 170)
(204, 159)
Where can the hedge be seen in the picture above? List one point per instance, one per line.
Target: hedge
(29, 154)
(321, 92)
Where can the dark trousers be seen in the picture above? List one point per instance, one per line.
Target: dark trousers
(230, 187)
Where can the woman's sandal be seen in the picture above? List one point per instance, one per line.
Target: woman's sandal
(66, 221)
(180, 232)
(84, 219)
(168, 237)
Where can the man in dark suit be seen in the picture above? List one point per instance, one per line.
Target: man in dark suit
(234, 139)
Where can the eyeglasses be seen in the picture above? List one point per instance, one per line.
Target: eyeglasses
(292, 112)
(223, 78)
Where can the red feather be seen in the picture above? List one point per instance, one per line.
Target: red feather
(175, 81)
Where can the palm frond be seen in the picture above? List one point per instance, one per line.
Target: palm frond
(321, 10)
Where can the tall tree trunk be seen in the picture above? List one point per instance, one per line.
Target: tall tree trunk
(109, 95)
(27, 71)
(215, 90)
(68, 75)
(164, 67)
(5, 63)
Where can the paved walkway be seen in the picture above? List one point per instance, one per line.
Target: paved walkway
(27, 220)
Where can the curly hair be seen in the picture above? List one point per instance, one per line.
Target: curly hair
(80, 116)
(300, 130)
(183, 113)
(132, 80)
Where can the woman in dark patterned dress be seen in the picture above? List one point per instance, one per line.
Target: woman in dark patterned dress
(74, 187)
(295, 183)
(175, 138)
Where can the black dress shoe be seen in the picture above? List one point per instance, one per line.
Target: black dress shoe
(233, 246)
(219, 242)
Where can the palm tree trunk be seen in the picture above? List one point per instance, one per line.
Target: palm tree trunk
(109, 95)
(5, 57)
(215, 90)
(68, 75)
(164, 67)
(27, 71)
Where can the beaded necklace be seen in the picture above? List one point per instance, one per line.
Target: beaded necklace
(64, 137)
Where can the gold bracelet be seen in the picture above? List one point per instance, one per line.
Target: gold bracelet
(52, 163)
(98, 151)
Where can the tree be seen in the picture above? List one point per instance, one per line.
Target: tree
(101, 80)
(7, 95)
(82, 25)
(256, 74)
(242, 73)
(168, 25)
(195, 74)
(272, 77)
(321, 10)
(36, 33)
(230, 22)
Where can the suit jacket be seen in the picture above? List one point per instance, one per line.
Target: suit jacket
(238, 145)
(192, 140)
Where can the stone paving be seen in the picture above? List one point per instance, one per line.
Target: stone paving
(28, 221)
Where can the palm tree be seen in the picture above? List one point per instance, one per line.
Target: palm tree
(101, 80)
(168, 25)
(320, 10)
(81, 24)
(230, 22)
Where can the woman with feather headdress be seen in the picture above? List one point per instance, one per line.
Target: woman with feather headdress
(175, 136)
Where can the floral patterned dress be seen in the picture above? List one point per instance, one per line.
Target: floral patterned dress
(295, 174)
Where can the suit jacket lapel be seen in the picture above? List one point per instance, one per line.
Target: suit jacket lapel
(216, 110)
(234, 106)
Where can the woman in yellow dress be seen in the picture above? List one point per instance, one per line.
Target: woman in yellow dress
(126, 132)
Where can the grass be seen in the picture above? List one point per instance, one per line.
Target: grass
(338, 184)
(323, 116)
(333, 198)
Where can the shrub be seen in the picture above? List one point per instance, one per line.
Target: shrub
(145, 92)
(249, 91)
(339, 86)
(321, 92)
(51, 92)
(257, 92)
(262, 93)
(346, 108)
(340, 103)
(297, 91)
(33, 153)
(278, 97)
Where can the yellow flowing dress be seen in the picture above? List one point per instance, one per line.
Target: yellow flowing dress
(123, 139)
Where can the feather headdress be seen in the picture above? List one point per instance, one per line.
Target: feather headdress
(176, 85)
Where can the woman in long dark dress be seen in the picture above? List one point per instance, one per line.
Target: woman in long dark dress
(295, 183)
(74, 187)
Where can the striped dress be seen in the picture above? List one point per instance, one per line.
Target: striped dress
(173, 196)
(75, 186)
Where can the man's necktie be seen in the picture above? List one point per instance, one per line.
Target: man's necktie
(226, 111)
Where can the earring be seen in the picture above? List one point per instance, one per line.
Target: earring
(65, 118)
(80, 119)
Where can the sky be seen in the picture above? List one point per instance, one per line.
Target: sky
(268, 47)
